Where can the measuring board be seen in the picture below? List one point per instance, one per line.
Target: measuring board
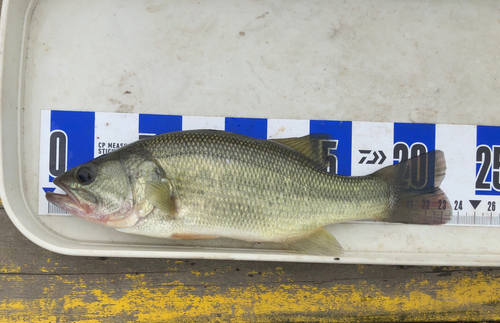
(472, 182)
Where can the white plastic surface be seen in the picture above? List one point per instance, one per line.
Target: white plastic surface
(360, 60)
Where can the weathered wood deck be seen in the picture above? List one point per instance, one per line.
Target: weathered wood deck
(40, 286)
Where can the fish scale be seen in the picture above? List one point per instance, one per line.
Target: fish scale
(253, 179)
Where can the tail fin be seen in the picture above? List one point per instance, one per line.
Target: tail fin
(415, 185)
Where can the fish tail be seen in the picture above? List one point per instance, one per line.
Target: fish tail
(415, 193)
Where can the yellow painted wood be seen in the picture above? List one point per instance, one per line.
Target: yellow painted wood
(161, 298)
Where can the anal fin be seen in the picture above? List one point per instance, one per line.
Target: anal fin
(320, 243)
(192, 236)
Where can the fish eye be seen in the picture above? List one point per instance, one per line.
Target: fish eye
(85, 174)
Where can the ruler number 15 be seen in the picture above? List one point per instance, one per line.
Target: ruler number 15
(330, 146)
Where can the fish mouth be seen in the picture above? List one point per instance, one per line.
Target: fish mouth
(68, 202)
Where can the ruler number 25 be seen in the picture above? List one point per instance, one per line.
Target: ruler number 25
(488, 158)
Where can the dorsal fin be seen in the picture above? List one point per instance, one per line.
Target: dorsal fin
(311, 146)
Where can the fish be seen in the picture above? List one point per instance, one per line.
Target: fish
(208, 184)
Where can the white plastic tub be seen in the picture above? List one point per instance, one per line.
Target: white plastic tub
(389, 61)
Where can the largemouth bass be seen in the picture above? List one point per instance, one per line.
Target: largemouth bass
(206, 184)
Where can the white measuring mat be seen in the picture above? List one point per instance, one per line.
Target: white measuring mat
(472, 182)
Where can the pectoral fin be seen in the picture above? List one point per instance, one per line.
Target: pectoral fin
(159, 194)
(320, 243)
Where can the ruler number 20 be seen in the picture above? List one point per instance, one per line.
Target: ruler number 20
(417, 178)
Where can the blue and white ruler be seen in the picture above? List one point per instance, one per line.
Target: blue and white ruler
(472, 182)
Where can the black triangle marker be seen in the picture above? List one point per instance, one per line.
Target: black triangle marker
(474, 203)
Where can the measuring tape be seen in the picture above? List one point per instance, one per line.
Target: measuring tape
(472, 182)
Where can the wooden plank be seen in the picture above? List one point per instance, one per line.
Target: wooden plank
(39, 286)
